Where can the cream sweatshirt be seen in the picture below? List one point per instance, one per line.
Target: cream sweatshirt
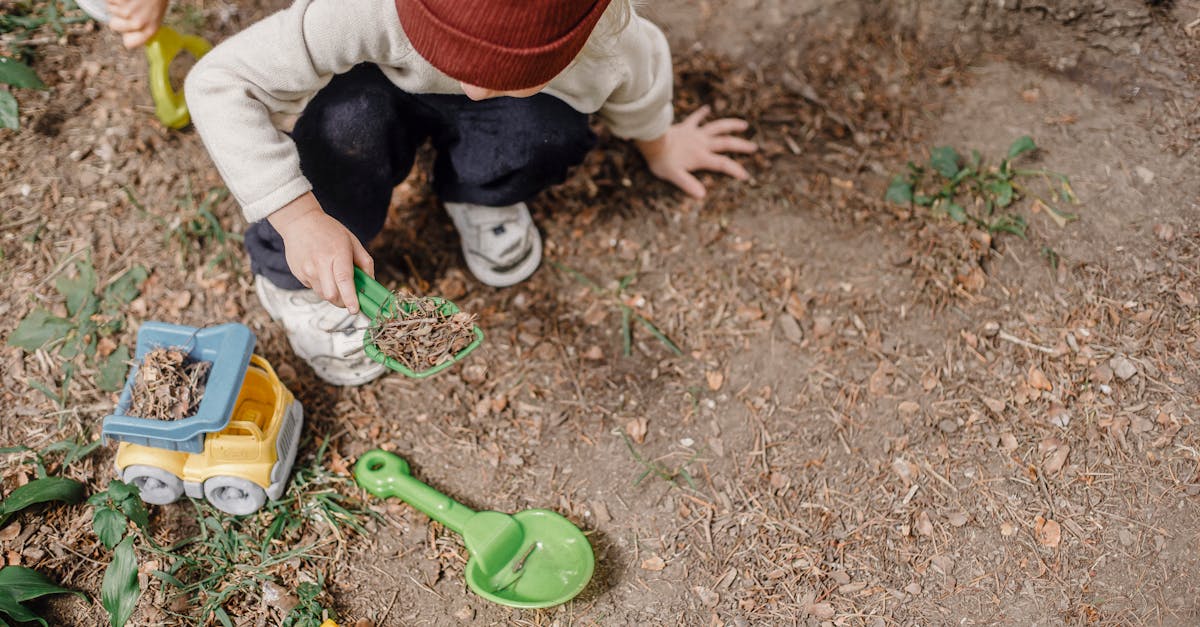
(273, 68)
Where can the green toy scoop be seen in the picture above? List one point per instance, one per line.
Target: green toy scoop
(374, 298)
(535, 558)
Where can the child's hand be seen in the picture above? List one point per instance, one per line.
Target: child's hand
(320, 251)
(690, 146)
(136, 20)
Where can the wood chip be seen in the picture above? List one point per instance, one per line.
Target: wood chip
(417, 332)
(169, 385)
(653, 563)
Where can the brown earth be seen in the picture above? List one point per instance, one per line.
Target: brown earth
(880, 417)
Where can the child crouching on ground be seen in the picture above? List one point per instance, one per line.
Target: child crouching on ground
(503, 90)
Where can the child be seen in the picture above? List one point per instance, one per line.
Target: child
(135, 20)
(503, 90)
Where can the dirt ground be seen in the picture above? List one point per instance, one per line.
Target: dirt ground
(879, 417)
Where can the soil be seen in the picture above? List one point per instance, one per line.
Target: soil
(880, 417)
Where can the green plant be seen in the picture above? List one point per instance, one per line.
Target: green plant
(657, 468)
(628, 313)
(18, 22)
(91, 314)
(970, 191)
(232, 557)
(112, 510)
(15, 74)
(193, 228)
(200, 229)
(308, 612)
(19, 584)
(43, 490)
(73, 450)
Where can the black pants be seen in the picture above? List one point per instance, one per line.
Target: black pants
(358, 137)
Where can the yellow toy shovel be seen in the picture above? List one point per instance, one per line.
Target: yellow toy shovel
(161, 49)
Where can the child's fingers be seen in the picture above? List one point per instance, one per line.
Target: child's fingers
(688, 183)
(726, 143)
(725, 165)
(136, 39)
(363, 259)
(698, 116)
(725, 126)
(343, 278)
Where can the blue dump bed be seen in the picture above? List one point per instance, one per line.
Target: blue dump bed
(227, 346)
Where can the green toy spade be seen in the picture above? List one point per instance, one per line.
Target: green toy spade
(535, 558)
(373, 298)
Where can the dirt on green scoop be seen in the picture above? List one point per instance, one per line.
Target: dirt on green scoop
(416, 333)
(168, 385)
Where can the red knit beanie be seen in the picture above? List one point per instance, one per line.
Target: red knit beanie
(499, 44)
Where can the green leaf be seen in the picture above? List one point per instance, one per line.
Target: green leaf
(135, 509)
(49, 393)
(79, 289)
(109, 525)
(9, 605)
(29, 584)
(626, 331)
(1023, 145)
(41, 491)
(119, 490)
(899, 191)
(120, 591)
(922, 200)
(956, 212)
(38, 328)
(112, 372)
(945, 160)
(9, 117)
(1002, 191)
(17, 74)
(126, 287)
(1009, 224)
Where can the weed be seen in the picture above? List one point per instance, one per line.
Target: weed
(970, 191)
(73, 450)
(308, 612)
(92, 314)
(194, 227)
(231, 557)
(628, 313)
(656, 468)
(19, 21)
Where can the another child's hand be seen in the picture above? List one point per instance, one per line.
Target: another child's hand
(136, 20)
(320, 251)
(690, 146)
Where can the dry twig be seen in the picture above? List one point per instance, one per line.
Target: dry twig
(417, 333)
(169, 385)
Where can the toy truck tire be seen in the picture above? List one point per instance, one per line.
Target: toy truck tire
(234, 495)
(155, 485)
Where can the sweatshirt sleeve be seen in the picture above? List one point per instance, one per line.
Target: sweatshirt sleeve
(274, 67)
(641, 106)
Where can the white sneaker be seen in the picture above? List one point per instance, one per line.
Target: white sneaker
(328, 337)
(501, 244)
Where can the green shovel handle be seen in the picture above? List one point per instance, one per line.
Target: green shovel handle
(161, 49)
(372, 295)
(384, 474)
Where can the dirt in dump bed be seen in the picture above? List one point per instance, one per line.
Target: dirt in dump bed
(417, 333)
(169, 385)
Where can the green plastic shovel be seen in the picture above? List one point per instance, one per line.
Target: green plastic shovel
(534, 558)
(374, 298)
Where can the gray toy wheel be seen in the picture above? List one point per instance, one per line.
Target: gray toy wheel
(156, 485)
(234, 495)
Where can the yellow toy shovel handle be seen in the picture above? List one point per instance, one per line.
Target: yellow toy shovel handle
(161, 49)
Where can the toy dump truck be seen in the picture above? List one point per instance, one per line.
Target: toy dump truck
(236, 451)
